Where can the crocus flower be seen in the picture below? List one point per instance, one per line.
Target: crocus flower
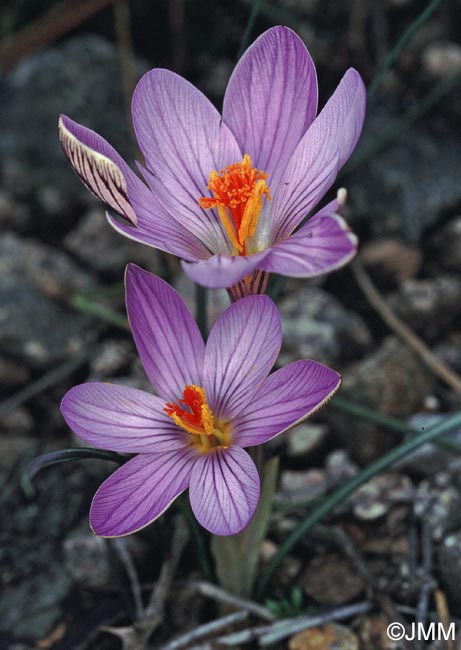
(227, 193)
(212, 401)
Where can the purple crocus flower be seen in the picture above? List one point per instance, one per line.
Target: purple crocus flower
(212, 401)
(227, 193)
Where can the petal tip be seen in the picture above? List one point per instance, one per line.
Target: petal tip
(92, 159)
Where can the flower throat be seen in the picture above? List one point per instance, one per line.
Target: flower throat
(238, 193)
(193, 414)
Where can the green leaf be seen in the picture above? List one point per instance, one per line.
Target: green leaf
(236, 557)
(64, 456)
(343, 492)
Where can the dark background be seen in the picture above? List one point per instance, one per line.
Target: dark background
(61, 307)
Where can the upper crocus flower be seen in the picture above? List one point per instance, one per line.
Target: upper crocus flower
(212, 401)
(226, 193)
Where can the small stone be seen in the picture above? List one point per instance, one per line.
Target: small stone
(316, 326)
(331, 637)
(374, 499)
(16, 422)
(42, 267)
(449, 351)
(14, 445)
(87, 558)
(430, 458)
(51, 200)
(330, 579)
(372, 631)
(307, 484)
(12, 374)
(97, 244)
(430, 306)
(6, 207)
(31, 608)
(32, 325)
(394, 260)
(339, 467)
(447, 245)
(268, 550)
(442, 59)
(449, 565)
(438, 503)
(110, 358)
(305, 438)
(69, 78)
(411, 197)
(391, 381)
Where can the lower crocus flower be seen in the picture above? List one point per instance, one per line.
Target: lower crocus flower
(227, 193)
(212, 401)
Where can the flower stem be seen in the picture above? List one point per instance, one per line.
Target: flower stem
(198, 539)
(341, 494)
(201, 300)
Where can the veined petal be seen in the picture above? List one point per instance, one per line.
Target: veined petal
(323, 150)
(271, 99)
(224, 490)
(222, 271)
(99, 166)
(183, 139)
(162, 232)
(140, 491)
(323, 244)
(120, 418)
(169, 343)
(286, 398)
(241, 349)
(108, 176)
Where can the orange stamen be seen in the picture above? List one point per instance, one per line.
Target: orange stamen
(238, 198)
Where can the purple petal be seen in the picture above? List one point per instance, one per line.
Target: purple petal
(271, 99)
(140, 491)
(169, 343)
(241, 349)
(224, 490)
(325, 147)
(222, 271)
(120, 418)
(323, 244)
(108, 176)
(286, 398)
(99, 166)
(183, 140)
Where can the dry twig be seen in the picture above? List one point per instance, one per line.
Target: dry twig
(268, 635)
(122, 22)
(428, 582)
(206, 630)
(53, 24)
(444, 615)
(135, 637)
(223, 596)
(121, 548)
(402, 330)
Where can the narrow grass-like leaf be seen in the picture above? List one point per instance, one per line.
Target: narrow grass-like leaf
(65, 456)
(342, 493)
(393, 55)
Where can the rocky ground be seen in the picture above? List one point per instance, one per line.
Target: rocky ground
(396, 542)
